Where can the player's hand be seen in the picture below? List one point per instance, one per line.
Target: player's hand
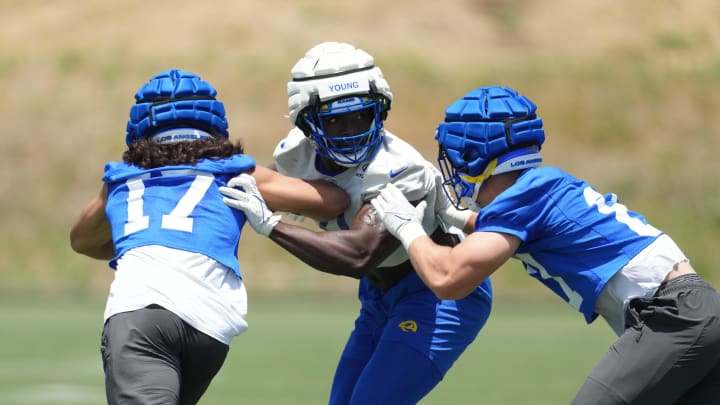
(247, 198)
(446, 210)
(400, 218)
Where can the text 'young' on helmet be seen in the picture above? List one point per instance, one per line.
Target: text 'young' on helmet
(337, 78)
(176, 99)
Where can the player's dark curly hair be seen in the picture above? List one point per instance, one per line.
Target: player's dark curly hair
(146, 154)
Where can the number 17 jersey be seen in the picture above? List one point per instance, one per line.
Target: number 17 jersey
(179, 207)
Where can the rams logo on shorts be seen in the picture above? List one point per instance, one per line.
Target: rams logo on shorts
(408, 326)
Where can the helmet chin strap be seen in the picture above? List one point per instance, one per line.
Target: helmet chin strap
(478, 183)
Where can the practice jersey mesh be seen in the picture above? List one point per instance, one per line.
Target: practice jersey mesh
(574, 239)
(178, 207)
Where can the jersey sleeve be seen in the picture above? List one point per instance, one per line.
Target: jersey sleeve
(292, 155)
(518, 211)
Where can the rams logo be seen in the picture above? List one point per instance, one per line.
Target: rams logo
(408, 326)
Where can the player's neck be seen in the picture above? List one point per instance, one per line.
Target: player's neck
(327, 166)
(495, 185)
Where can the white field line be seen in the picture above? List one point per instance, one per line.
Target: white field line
(75, 394)
(65, 382)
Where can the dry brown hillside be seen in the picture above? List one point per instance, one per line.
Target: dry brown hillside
(629, 91)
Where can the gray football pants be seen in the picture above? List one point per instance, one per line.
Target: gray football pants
(151, 356)
(669, 353)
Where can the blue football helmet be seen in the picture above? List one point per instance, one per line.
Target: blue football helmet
(491, 130)
(176, 99)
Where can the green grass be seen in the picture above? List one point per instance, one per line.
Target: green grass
(530, 352)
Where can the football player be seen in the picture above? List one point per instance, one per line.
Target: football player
(405, 338)
(178, 296)
(588, 248)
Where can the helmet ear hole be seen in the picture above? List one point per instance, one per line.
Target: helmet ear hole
(303, 125)
(384, 106)
(306, 115)
(302, 122)
(382, 101)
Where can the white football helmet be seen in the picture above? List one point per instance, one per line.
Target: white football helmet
(336, 78)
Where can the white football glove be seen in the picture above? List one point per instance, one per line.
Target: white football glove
(400, 218)
(250, 202)
(444, 208)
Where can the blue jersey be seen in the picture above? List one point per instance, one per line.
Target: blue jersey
(179, 207)
(574, 239)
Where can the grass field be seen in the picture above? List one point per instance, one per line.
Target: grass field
(629, 97)
(530, 352)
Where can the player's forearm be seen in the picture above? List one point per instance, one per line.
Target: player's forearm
(333, 252)
(331, 201)
(432, 264)
(316, 199)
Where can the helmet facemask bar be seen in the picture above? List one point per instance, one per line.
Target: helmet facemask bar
(346, 150)
(456, 189)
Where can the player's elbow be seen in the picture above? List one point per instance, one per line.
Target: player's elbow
(447, 289)
(102, 250)
(359, 266)
(331, 208)
(77, 243)
(338, 205)
(449, 293)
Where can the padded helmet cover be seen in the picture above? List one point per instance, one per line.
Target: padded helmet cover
(331, 70)
(486, 123)
(174, 99)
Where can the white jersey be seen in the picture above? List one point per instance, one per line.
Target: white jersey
(201, 291)
(395, 162)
